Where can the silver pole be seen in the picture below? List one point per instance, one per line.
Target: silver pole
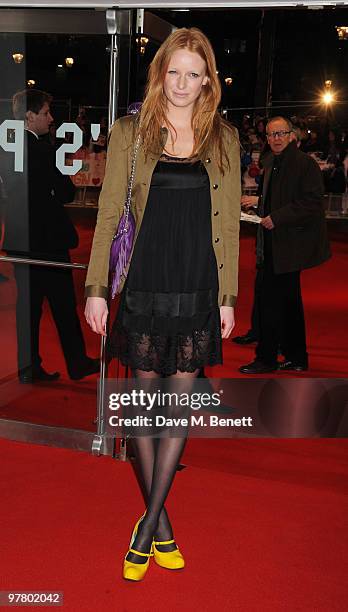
(100, 415)
(43, 262)
(112, 27)
(113, 90)
(112, 23)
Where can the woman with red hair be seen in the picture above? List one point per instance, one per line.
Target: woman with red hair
(178, 300)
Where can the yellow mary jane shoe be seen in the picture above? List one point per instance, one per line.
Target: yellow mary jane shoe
(135, 571)
(131, 570)
(169, 560)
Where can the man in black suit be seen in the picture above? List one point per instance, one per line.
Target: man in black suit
(38, 226)
(292, 236)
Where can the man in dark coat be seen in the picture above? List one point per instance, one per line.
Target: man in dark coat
(292, 237)
(37, 226)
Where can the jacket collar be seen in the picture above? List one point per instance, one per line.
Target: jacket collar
(31, 132)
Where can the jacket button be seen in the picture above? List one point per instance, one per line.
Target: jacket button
(221, 266)
(208, 160)
(216, 213)
(215, 186)
(217, 239)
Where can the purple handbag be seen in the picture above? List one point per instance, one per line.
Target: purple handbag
(122, 242)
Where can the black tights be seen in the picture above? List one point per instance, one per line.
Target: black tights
(156, 462)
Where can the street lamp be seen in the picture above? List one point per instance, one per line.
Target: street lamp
(328, 96)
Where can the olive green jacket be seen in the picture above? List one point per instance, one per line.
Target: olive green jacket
(225, 200)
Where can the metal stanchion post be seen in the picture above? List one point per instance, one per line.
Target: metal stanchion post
(99, 437)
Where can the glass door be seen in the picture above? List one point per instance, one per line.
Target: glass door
(59, 71)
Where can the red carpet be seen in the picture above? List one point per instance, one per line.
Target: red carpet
(73, 404)
(262, 524)
(325, 297)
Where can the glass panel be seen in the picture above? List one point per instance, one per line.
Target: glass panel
(76, 128)
(27, 396)
(52, 160)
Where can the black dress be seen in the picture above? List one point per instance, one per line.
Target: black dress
(168, 318)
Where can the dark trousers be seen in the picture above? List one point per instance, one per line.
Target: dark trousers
(255, 313)
(281, 316)
(34, 284)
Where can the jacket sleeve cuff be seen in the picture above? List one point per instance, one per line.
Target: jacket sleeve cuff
(229, 300)
(96, 291)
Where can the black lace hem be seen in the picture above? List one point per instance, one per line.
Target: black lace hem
(165, 354)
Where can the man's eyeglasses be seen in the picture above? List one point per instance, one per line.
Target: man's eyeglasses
(280, 134)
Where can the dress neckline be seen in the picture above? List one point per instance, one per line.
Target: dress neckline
(166, 157)
(173, 156)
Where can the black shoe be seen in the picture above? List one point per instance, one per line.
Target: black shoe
(207, 387)
(257, 367)
(289, 365)
(38, 374)
(222, 409)
(248, 338)
(88, 367)
(201, 373)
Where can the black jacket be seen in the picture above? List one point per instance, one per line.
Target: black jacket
(299, 238)
(36, 221)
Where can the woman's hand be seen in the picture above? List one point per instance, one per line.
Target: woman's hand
(96, 314)
(227, 320)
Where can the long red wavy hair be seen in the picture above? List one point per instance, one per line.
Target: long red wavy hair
(207, 123)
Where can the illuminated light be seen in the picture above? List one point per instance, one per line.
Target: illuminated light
(69, 62)
(328, 97)
(60, 65)
(17, 57)
(342, 32)
(228, 80)
(142, 42)
(31, 83)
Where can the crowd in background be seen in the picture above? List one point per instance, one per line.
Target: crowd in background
(328, 145)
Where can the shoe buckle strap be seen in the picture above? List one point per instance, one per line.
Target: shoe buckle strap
(165, 542)
(137, 552)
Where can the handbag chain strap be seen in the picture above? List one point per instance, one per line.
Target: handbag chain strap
(127, 203)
